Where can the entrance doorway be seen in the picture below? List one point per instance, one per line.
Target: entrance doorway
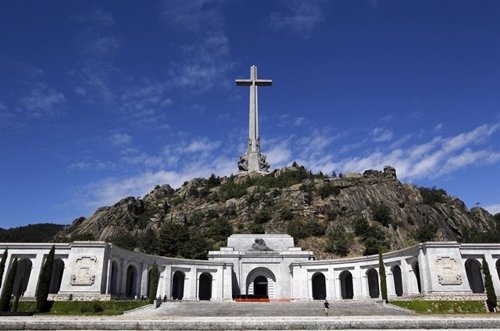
(260, 287)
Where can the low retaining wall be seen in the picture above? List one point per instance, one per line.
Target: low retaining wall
(277, 323)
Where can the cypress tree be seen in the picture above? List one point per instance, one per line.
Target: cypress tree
(42, 290)
(488, 284)
(2, 265)
(8, 287)
(383, 280)
(153, 282)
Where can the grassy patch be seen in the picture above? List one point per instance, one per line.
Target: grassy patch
(442, 307)
(107, 308)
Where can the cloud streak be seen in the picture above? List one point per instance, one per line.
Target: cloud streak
(302, 17)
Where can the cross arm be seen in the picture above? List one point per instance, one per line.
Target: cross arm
(258, 82)
(243, 82)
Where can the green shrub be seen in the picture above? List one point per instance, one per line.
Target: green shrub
(383, 279)
(432, 195)
(488, 284)
(263, 216)
(153, 282)
(327, 190)
(286, 215)
(338, 242)
(8, 287)
(426, 232)
(381, 213)
(256, 228)
(42, 290)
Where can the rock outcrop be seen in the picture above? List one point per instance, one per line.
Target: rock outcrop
(309, 206)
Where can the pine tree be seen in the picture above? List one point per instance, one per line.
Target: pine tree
(42, 290)
(153, 282)
(2, 265)
(383, 280)
(488, 284)
(8, 287)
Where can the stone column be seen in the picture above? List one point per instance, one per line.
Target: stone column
(144, 279)
(37, 264)
(391, 286)
(108, 276)
(425, 283)
(123, 278)
(190, 285)
(167, 281)
(331, 292)
(357, 283)
(365, 291)
(227, 282)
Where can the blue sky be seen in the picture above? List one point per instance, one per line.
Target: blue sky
(100, 100)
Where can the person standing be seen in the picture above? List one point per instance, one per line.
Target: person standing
(327, 306)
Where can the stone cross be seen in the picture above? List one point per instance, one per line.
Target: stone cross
(253, 160)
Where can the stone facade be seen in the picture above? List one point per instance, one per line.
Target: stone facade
(257, 266)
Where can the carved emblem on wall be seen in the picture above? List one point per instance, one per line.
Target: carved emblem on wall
(85, 271)
(448, 271)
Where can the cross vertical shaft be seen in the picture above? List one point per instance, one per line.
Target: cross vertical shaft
(253, 160)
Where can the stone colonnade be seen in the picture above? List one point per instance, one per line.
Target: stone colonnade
(100, 271)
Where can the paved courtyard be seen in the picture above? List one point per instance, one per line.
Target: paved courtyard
(311, 308)
(183, 315)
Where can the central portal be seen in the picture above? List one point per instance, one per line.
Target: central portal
(260, 287)
(261, 284)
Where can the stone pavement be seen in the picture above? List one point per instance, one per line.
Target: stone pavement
(301, 308)
(258, 316)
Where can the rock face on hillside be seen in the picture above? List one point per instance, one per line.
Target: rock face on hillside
(333, 216)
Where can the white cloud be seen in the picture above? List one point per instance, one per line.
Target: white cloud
(201, 145)
(279, 154)
(493, 209)
(120, 139)
(102, 46)
(303, 17)
(91, 164)
(381, 135)
(97, 44)
(430, 159)
(42, 100)
(111, 190)
(205, 55)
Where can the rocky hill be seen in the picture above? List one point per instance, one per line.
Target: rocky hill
(342, 215)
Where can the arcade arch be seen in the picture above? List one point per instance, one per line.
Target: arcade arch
(373, 287)
(261, 283)
(318, 281)
(416, 272)
(22, 276)
(398, 280)
(474, 275)
(178, 285)
(115, 272)
(57, 273)
(205, 286)
(346, 288)
(131, 282)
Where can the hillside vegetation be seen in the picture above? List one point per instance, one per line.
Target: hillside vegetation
(43, 232)
(344, 215)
